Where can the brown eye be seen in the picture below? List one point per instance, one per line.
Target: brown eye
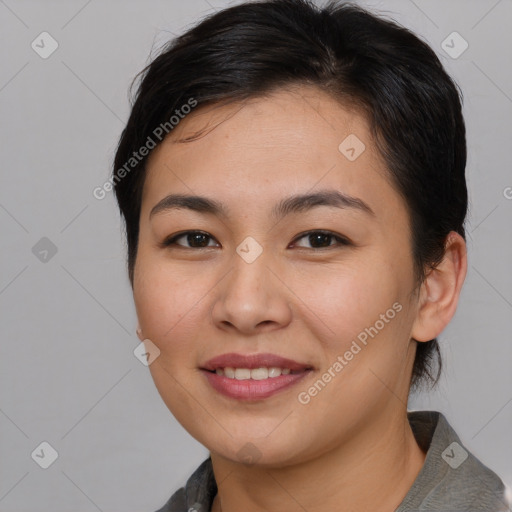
(193, 240)
(321, 239)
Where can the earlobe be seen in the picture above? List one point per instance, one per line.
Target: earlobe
(440, 291)
(139, 333)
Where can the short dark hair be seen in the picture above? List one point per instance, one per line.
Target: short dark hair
(395, 79)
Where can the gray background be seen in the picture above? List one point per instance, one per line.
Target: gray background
(68, 372)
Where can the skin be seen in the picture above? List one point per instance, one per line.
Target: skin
(351, 447)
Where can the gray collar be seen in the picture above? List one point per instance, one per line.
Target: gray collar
(451, 479)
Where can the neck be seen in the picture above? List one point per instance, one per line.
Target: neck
(373, 472)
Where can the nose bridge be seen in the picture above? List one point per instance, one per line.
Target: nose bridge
(250, 295)
(249, 281)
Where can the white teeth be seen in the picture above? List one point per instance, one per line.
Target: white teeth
(242, 374)
(275, 372)
(255, 373)
(259, 373)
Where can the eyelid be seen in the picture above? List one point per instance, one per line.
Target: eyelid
(342, 240)
(170, 240)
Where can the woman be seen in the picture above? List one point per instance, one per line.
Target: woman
(292, 182)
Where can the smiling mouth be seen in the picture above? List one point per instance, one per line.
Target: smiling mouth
(243, 385)
(242, 363)
(253, 376)
(261, 373)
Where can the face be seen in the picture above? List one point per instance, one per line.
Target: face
(294, 274)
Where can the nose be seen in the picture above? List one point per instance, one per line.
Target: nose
(251, 299)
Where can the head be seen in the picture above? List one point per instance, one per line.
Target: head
(341, 102)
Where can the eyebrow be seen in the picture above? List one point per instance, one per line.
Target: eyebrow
(293, 204)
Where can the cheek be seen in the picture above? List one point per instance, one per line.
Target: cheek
(345, 298)
(169, 302)
(170, 311)
(358, 313)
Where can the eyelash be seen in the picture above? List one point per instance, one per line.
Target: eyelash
(343, 241)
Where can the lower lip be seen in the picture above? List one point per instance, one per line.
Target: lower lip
(251, 389)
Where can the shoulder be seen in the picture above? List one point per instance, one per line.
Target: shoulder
(452, 478)
(197, 494)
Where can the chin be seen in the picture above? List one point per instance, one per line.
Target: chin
(258, 451)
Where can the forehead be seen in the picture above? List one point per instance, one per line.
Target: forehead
(290, 121)
(290, 141)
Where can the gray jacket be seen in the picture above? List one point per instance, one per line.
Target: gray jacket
(451, 479)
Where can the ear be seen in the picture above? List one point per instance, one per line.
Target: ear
(139, 333)
(440, 291)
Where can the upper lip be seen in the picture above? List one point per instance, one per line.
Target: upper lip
(252, 361)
